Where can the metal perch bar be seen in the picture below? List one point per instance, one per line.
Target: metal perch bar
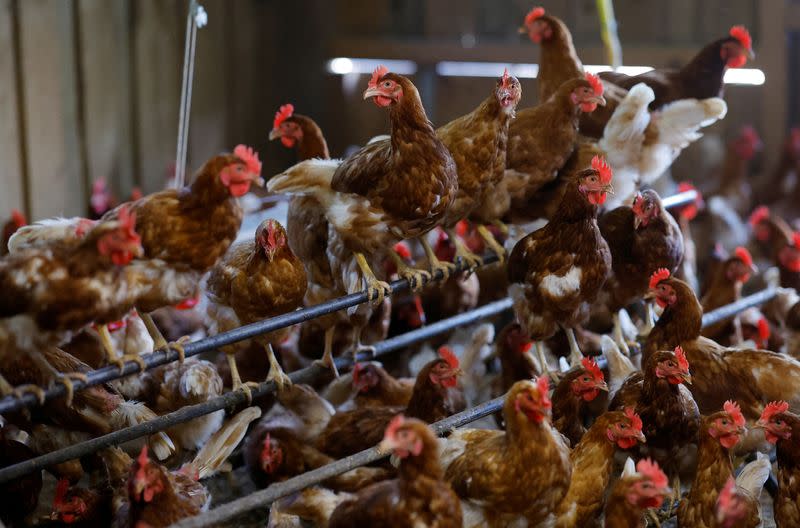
(162, 357)
(234, 398)
(276, 491)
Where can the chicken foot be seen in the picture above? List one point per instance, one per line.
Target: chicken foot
(416, 277)
(64, 378)
(376, 289)
(327, 361)
(158, 338)
(433, 261)
(6, 389)
(545, 368)
(463, 254)
(358, 347)
(111, 356)
(236, 380)
(276, 373)
(575, 354)
(492, 242)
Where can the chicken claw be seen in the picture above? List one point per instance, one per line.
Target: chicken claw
(463, 254)
(66, 380)
(376, 289)
(415, 277)
(327, 361)
(492, 242)
(276, 373)
(436, 265)
(20, 391)
(177, 346)
(236, 380)
(120, 362)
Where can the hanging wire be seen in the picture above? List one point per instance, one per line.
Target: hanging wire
(197, 18)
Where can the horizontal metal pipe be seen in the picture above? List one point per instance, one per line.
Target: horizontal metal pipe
(162, 357)
(274, 492)
(679, 199)
(235, 398)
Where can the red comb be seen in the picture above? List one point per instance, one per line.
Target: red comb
(773, 408)
(128, 220)
(142, 458)
(402, 249)
(136, 194)
(683, 363)
(113, 326)
(599, 164)
(535, 13)
(357, 368)
(379, 72)
(61, 491)
(525, 347)
(726, 495)
(284, 113)
(18, 218)
(249, 157)
(504, 82)
(591, 366)
(658, 276)
(83, 227)
(462, 227)
(763, 330)
(796, 239)
(743, 255)
(732, 408)
(651, 470)
(597, 85)
(187, 304)
(636, 421)
(394, 425)
(760, 214)
(446, 353)
(741, 34)
(690, 211)
(543, 384)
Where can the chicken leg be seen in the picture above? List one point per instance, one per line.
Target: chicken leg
(545, 368)
(376, 289)
(358, 347)
(619, 338)
(236, 380)
(575, 354)
(158, 339)
(65, 378)
(492, 242)
(276, 373)
(327, 355)
(433, 261)
(111, 356)
(416, 277)
(462, 251)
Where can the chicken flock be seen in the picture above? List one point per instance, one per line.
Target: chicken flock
(620, 408)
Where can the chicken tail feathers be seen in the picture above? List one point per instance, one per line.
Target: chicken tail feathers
(219, 447)
(619, 366)
(130, 413)
(753, 476)
(313, 504)
(307, 177)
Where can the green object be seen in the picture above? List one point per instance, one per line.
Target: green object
(608, 32)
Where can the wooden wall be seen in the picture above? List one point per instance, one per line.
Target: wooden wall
(90, 87)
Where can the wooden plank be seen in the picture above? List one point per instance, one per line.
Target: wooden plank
(105, 58)
(772, 58)
(158, 56)
(50, 82)
(12, 175)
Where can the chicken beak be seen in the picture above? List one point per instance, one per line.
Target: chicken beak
(636, 222)
(609, 189)
(603, 386)
(599, 99)
(761, 424)
(649, 296)
(641, 437)
(386, 446)
(274, 134)
(753, 268)
(522, 30)
(138, 488)
(687, 378)
(751, 54)
(372, 92)
(258, 181)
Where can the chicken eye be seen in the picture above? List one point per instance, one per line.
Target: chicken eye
(724, 421)
(387, 84)
(779, 422)
(623, 426)
(586, 379)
